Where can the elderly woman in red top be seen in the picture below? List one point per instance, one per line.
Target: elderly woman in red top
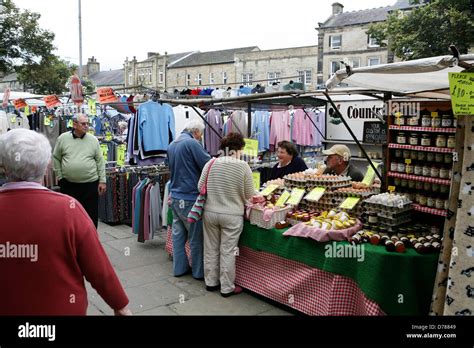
(48, 243)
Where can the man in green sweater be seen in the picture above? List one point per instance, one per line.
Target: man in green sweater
(80, 167)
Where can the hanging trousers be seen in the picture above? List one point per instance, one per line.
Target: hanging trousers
(85, 193)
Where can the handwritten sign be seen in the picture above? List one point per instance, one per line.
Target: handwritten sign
(121, 150)
(349, 203)
(256, 180)
(251, 147)
(296, 196)
(283, 198)
(19, 103)
(51, 101)
(106, 95)
(375, 133)
(269, 190)
(315, 194)
(370, 175)
(105, 150)
(461, 86)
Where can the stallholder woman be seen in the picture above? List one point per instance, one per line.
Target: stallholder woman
(288, 161)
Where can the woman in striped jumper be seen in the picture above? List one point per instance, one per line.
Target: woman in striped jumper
(229, 185)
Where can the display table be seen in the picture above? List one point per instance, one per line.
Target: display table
(400, 284)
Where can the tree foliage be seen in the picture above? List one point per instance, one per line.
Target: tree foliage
(427, 30)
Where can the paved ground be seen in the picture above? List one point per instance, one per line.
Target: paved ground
(146, 274)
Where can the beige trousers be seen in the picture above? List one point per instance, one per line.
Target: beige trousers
(221, 237)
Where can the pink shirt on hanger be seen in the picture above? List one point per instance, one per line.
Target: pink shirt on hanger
(302, 130)
(280, 127)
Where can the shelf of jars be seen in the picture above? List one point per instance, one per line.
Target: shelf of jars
(422, 129)
(431, 180)
(421, 148)
(428, 210)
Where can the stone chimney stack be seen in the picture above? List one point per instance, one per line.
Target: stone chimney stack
(337, 8)
(92, 66)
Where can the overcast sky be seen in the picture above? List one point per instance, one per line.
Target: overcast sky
(115, 29)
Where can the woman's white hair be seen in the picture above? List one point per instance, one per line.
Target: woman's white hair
(24, 154)
(194, 125)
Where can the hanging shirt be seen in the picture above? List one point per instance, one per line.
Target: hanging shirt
(261, 129)
(3, 122)
(302, 128)
(238, 123)
(245, 91)
(156, 126)
(184, 114)
(319, 119)
(17, 121)
(280, 127)
(217, 93)
(211, 140)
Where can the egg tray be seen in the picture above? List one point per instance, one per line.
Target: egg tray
(357, 194)
(384, 208)
(393, 222)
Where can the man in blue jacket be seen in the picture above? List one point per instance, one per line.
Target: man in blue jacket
(187, 158)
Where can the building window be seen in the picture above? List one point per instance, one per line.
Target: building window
(130, 77)
(373, 61)
(335, 66)
(335, 41)
(372, 42)
(354, 62)
(305, 76)
(161, 77)
(247, 79)
(188, 80)
(273, 77)
(199, 79)
(177, 79)
(211, 78)
(224, 77)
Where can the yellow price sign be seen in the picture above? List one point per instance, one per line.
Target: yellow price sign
(315, 194)
(391, 189)
(251, 147)
(108, 136)
(92, 107)
(370, 175)
(269, 190)
(296, 196)
(434, 114)
(461, 86)
(256, 180)
(70, 123)
(105, 150)
(27, 110)
(121, 150)
(47, 121)
(283, 198)
(349, 203)
(408, 161)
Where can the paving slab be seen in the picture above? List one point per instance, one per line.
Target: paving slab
(159, 311)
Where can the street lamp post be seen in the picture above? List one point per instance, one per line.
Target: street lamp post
(80, 40)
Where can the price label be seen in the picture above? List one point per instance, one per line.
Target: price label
(434, 114)
(349, 203)
(27, 111)
(391, 189)
(269, 189)
(256, 180)
(398, 115)
(47, 121)
(105, 150)
(370, 175)
(108, 136)
(13, 119)
(315, 194)
(283, 199)
(296, 196)
(121, 150)
(251, 147)
(408, 161)
(70, 123)
(92, 107)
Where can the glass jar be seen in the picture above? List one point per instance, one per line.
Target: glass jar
(398, 153)
(404, 183)
(435, 122)
(448, 158)
(451, 142)
(439, 157)
(426, 186)
(422, 200)
(434, 172)
(425, 140)
(430, 157)
(439, 203)
(455, 122)
(446, 204)
(401, 167)
(435, 188)
(441, 140)
(417, 198)
(414, 139)
(426, 121)
(394, 166)
(409, 169)
(421, 156)
(411, 184)
(406, 154)
(443, 188)
(431, 202)
(446, 121)
(426, 170)
(397, 181)
(413, 121)
(419, 185)
(413, 155)
(401, 138)
(450, 175)
(399, 121)
(444, 173)
(418, 170)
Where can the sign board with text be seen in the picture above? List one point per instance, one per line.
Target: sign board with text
(461, 86)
